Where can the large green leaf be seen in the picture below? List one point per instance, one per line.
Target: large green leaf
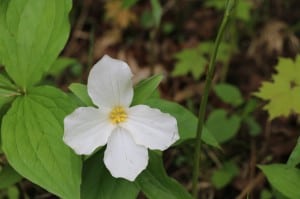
(155, 183)
(5, 83)
(7, 90)
(32, 132)
(80, 90)
(32, 35)
(284, 178)
(97, 182)
(144, 89)
(3, 8)
(187, 121)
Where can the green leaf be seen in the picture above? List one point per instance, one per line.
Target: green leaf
(265, 194)
(80, 90)
(3, 9)
(254, 127)
(289, 70)
(32, 132)
(5, 83)
(284, 178)
(278, 195)
(187, 121)
(190, 60)
(224, 175)
(8, 91)
(60, 65)
(282, 99)
(294, 158)
(249, 107)
(13, 193)
(229, 94)
(283, 93)
(243, 10)
(144, 89)
(222, 126)
(32, 35)
(195, 60)
(156, 11)
(8, 176)
(97, 182)
(155, 183)
(147, 20)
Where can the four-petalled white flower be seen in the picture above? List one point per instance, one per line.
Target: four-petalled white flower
(127, 131)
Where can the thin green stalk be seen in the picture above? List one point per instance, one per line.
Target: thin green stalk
(233, 42)
(202, 110)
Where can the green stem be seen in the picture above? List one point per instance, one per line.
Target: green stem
(202, 110)
(233, 42)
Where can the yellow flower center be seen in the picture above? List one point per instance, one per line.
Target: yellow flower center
(118, 115)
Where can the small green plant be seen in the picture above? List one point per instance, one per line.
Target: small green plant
(283, 93)
(229, 123)
(195, 60)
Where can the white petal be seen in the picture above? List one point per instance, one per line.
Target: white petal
(151, 128)
(86, 129)
(122, 157)
(109, 83)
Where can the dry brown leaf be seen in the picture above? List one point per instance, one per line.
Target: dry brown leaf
(119, 16)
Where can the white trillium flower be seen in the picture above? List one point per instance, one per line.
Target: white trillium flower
(127, 131)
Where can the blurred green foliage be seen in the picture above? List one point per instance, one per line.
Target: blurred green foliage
(242, 10)
(224, 124)
(195, 60)
(223, 176)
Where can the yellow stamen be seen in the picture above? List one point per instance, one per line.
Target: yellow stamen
(118, 115)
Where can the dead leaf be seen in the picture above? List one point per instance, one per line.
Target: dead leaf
(119, 16)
